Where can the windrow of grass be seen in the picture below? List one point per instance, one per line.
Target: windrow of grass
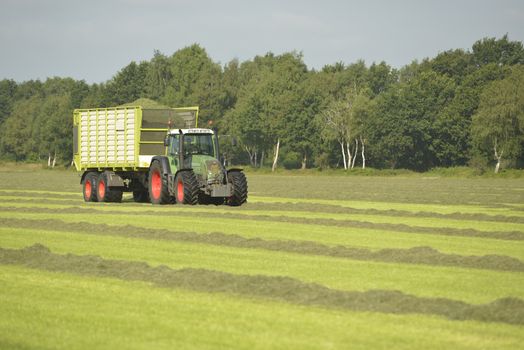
(403, 222)
(42, 309)
(366, 238)
(417, 255)
(493, 210)
(469, 285)
(284, 289)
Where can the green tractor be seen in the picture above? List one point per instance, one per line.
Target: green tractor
(191, 172)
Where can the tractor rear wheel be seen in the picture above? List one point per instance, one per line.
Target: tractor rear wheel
(89, 187)
(239, 182)
(104, 193)
(186, 187)
(158, 188)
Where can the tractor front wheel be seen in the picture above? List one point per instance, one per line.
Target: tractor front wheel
(186, 187)
(239, 182)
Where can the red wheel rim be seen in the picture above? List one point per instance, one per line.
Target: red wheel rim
(101, 190)
(88, 189)
(156, 184)
(180, 191)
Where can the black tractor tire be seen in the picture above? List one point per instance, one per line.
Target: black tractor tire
(239, 182)
(158, 186)
(141, 196)
(186, 187)
(89, 187)
(104, 193)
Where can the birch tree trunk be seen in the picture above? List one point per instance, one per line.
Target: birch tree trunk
(54, 160)
(250, 154)
(363, 154)
(262, 159)
(349, 154)
(343, 154)
(498, 158)
(275, 160)
(49, 160)
(304, 161)
(355, 156)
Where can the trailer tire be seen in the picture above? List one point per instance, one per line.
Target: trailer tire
(89, 187)
(239, 182)
(104, 193)
(158, 186)
(186, 187)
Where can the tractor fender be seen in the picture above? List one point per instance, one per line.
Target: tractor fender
(165, 164)
(234, 169)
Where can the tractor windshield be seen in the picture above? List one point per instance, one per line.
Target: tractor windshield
(199, 144)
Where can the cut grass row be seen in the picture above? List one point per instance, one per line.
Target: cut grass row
(378, 218)
(507, 209)
(330, 235)
(285, 289)
(49, 310)
(469, 285)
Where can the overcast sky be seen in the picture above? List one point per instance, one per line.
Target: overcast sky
(92, 39)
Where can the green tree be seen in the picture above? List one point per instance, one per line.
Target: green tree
(498, 125)
(343, 120)
(7, 93)
(15, 135)
(498, 51)
(127, 85)
(404, 126)
(196, 80)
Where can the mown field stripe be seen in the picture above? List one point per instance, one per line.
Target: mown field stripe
(469, 285)
(416, 255)
(281, 208)
(181, 212)
(410, 207)
(40, 309)
(506, 209)
(285, 289)
(331, 236)
(19, 190)
(425, 223)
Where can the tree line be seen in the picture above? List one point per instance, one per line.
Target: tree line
(462, 107)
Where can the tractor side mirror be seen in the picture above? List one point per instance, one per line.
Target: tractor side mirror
(166, 141)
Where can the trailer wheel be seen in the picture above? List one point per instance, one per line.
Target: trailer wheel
(104, 193)
(158, 190)
(239, 182)
(89, 187)
(186, 187)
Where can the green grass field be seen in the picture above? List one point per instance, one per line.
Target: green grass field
(359, 262)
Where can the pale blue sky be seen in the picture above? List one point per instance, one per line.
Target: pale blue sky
(93, 39)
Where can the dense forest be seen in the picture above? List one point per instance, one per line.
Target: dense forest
(462, 107)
